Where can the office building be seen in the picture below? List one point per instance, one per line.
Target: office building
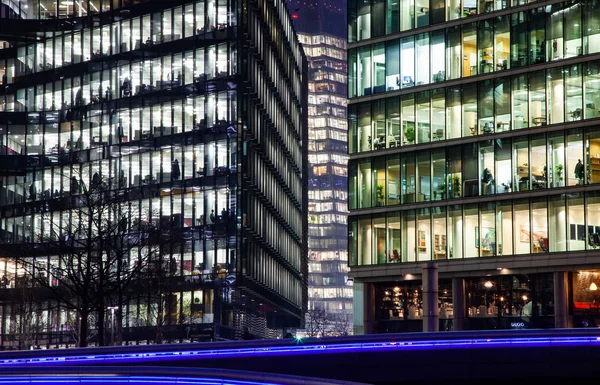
(321, 28)
(188, 118)
(474, 169)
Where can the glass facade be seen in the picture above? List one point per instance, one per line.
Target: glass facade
(328, 176)
(193, 125)
(475, 140)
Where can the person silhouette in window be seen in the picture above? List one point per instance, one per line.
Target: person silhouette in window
(579, 174)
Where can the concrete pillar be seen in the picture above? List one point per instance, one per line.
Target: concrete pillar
(561, 308)
(459, 304)
(430, 298)
(370, 326)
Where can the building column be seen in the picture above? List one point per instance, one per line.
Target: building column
(459, 304)
(370, 326)
(430, 298)
(561, 308)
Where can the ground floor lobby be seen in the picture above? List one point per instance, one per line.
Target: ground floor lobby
(432, 302)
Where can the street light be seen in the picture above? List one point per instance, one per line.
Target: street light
(112, 323)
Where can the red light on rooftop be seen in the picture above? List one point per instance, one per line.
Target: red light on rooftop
(294, 16)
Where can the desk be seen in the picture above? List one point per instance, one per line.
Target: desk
(441, 254)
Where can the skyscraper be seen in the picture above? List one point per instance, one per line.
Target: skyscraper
(474, 164)
(166, 149)
(322, 32)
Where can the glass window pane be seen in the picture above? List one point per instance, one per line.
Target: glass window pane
(393, 236)
(537, 97)
(364, 241)
(502, 42)
(392, 65)
(453, 112)
(454, 56)
(573, 82)
(504, 228)
(378, 123)
(485, 46)
(379, 241)
(424, 240)
(408, 62)
(519, 102)
(593, 163)
(422, 75)
(537, 25)
(438, 116)
(424, 176)
(378, 17)
(363, 23)
(439, 233)
(593, 219)
(471, 231)
(557, 229)
(539, 223)
(518, 39)
(438, 163)
(455, 225)
(438, 58)
(392, 111)
(522, 228)
(592, 90)
(393, 180)
(408, 119)
(408, 236)
(556, 160)
(521, 164)
(591, 23)
(554, 33)
(407, 12)
(576, 231)
(364, 184)
(379, 194)
(575, 169)
(363, 79)
(556, 95)
(573, 35)
(364, 140)
(408, 179)
(503, 166)
(378, 71)
(470, 62)
(423, 117)
(392, 20)
(487, 230)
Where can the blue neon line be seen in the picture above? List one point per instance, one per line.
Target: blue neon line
(51, 379)
(306, 349)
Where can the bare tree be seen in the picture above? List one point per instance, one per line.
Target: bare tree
(92, 256)
(321, 323)
(342, 324)
(317, 321)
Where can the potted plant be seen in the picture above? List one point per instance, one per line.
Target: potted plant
(441, 190)
(559, 174)
(409, 134)
(380, 196)
(456, 186)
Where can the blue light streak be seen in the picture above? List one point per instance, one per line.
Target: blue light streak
(121, 379)
(303, 349)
